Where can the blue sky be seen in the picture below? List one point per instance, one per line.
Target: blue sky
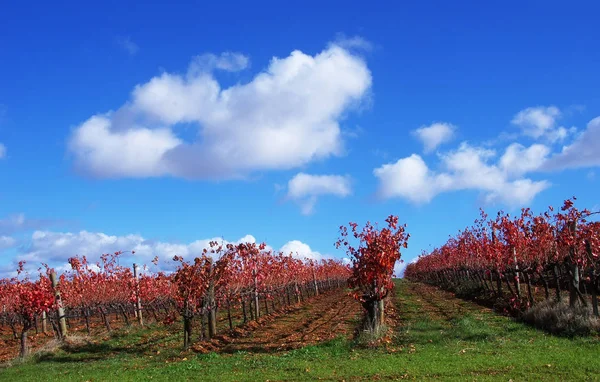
(156, 127)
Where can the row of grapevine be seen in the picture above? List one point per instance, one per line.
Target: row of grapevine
(245, 277)
(509, 256)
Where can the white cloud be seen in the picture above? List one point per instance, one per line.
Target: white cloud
(466, 168)
(2, 151)
(540, 122)
(411, 179)
(300, 250)
(434, 135)
(516, 193)
(400, 267)
(55, 248)
(536, 120)
(583, 152)
(518, 160)
(501, 180)
(7, 242)
(469, 169)
(129, 46)
(136, 152)
(286, 117)
(305, 189)
(227, 61)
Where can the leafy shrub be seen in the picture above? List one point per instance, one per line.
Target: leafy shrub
(560, 318)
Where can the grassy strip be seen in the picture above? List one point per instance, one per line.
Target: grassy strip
(440, 337)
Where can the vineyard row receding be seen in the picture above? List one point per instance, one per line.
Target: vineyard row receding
(512, 259)
(246, 278)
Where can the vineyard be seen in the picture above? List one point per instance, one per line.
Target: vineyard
(247, 299)
(243, 279)
(511, 258)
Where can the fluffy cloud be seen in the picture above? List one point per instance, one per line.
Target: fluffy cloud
(466, 168)
(2, 151)
(285, 117)
(300, 250)
(305, 188)
(540, 122)
(55, 248)
(501, 180)
(138, 151)
(411, 179)
(400, 267)
(7, 242)
(583, 152)
(518, 160)
(434, 135)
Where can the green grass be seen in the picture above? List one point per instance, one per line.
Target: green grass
(439, 338)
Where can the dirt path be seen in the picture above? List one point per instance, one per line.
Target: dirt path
(323, 318)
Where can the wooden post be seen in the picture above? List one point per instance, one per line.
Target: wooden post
(297, 290)
(138, 301)
(61, 312)
(315, 280)
(256, 307)
(44, 322)
(212, 314)
(574, 287)
(574, 295)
